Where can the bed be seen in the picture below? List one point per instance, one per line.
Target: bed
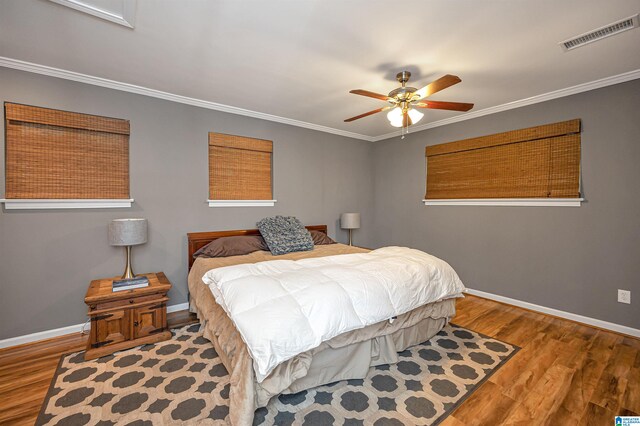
(346, 356)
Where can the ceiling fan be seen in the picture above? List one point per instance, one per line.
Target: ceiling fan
(405, 100)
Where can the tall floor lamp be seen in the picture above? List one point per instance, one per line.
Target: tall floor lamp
(127, 233)
(350, 221)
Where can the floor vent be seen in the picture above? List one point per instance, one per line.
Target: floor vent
(600, 33)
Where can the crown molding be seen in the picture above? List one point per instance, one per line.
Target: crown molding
(125, 18)
(132, 88)
(140, 90)
(584, 87)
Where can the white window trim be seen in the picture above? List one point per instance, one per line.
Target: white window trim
(241, 203)
(516, 202)
(49, 204)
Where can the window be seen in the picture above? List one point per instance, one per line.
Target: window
(60, 159)
(541, 164)
(239, 171)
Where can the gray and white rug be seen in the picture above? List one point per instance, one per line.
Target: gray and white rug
(182, 380)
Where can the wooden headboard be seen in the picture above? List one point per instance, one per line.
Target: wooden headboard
(197, 240)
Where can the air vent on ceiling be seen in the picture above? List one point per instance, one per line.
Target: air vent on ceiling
(600, 33)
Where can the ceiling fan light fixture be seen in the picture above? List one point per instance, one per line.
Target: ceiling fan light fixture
(396, 123)
(395, 117)
(403, 101)
(415, 115)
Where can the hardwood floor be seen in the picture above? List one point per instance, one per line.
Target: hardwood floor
(26, 371)
(565, 374)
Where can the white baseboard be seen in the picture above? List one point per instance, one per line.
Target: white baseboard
(558, 313)
(77, 328)
(48, 334)
(41, 335)
(178, 307)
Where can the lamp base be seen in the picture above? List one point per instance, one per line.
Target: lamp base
(350, 241)
(128, 271)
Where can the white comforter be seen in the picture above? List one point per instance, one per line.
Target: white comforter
(283, 308)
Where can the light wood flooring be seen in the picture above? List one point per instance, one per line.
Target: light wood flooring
(565, 374)
(26, 371)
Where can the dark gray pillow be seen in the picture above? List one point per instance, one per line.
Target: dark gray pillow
(232, 246)
(285, 234)
(320, 238)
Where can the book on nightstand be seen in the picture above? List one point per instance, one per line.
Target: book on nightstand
(130, 284)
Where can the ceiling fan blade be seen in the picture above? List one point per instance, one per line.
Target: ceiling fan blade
(375, 111)
(436, 86)
(369, 94)
(451, 106)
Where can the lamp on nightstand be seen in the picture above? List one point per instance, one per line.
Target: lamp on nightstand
(127, 233)
(350, 221)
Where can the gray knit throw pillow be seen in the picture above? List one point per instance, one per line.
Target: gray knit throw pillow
(285, 234)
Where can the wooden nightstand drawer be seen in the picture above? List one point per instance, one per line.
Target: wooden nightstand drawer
(131, 301)
(124, 319)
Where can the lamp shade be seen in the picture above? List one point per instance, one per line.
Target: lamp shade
(350, 220)
(127, 232)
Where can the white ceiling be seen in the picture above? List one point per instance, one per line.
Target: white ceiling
(299, 59)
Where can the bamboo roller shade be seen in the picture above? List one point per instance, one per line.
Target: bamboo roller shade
(52, 154)
(239, 168)
(537, 162)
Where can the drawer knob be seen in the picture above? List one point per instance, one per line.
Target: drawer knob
(131, 301)
(135, 323)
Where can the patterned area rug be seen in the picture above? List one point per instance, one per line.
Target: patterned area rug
(182, 380)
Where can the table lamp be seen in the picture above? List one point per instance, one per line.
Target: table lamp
(127, 233)
(350, 221)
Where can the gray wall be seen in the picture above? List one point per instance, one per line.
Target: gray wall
(568, 258)
(47, 258)
(572, 259)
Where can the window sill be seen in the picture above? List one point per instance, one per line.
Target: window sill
(515, 202)
(241, 203)
(48, 204)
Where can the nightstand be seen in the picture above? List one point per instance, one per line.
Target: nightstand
(124, 319)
